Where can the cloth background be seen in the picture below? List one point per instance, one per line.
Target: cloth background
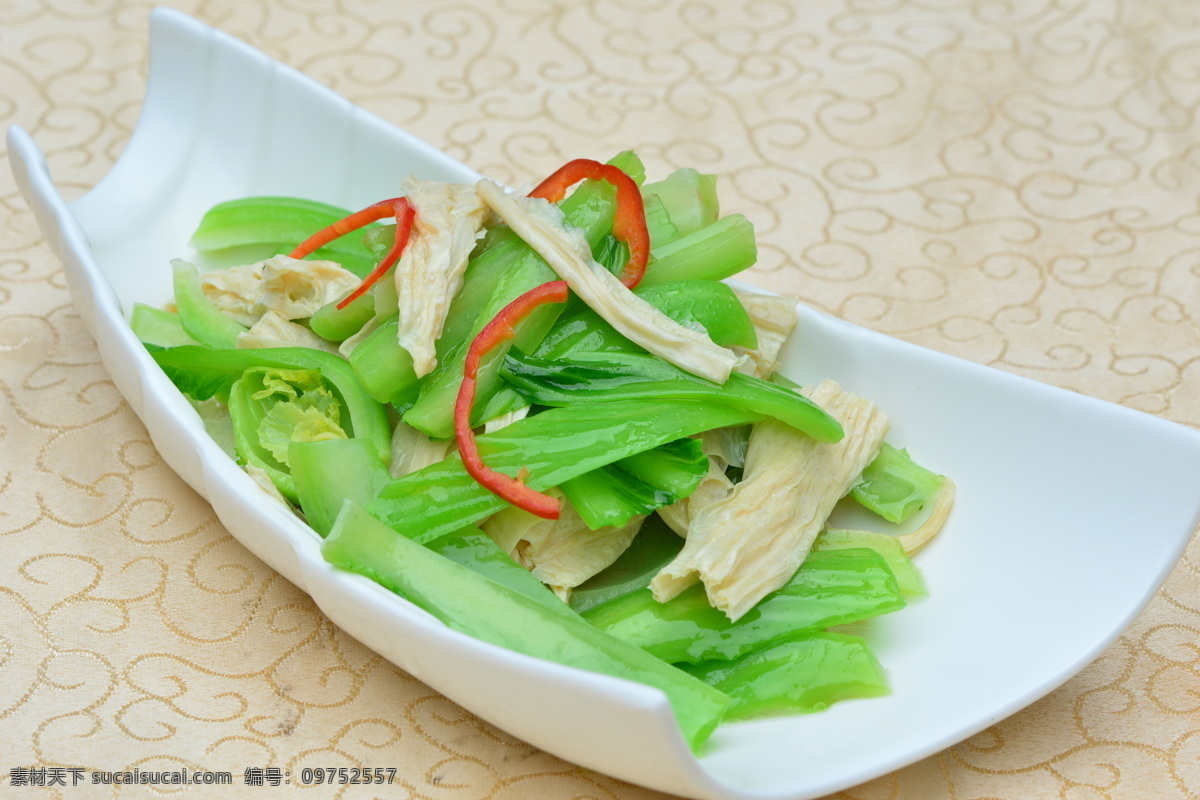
(1012, 182)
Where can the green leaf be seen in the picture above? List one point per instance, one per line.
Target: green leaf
(598, 378)
(286, 422)
(271, 408)
(202, 373)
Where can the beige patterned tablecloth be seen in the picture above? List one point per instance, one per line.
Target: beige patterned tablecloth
(1013, 182)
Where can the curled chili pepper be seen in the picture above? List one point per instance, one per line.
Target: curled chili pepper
(629, 222)
(397, 206)
(501, 329)
(629, 226)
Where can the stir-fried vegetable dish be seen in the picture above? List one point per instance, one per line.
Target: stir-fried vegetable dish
(546, 420)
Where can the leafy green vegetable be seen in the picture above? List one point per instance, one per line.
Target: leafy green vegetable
(714, 253)
(831, 588)
(689, 199)
(215, 416)
(271, 408)
(312, 417)
(653, 548)
(329, 472)
(271, 225)
(384, 367)
(599, 378)
(475, 550)
(338, 325)
(908, 578)
(707, 305)
(202, 320)
(519, 269)
(894, 486)
(638, 484)
(203, 373)
(480, 607)
(157, 327)
(555, 446)
(802, 675)
(614, 440)
(658, 222)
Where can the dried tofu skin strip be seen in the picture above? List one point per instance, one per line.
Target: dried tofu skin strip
(412, 450)
(752, 542)
(714, 486)
(272, 330)
(293, 288)
(297, 288)
(235, 291)
(774, 319)
(541, 225)
(562, 553)
(347, 347)
(449, 220)
(504, 420)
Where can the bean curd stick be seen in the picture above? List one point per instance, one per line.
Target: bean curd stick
(752, 542)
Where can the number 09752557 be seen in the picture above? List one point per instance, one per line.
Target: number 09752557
(345, 775)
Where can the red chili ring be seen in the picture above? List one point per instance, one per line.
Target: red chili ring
(629, 221)
(501, 329)
(398, 206)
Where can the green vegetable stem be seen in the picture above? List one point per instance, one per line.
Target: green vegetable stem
(329, 473)
(200, 319)
(157, 327)
(908, 577)
(707, 305)
(719, 251)
(489, 610)
(894, 486)
(802, 675)
(555, 446)
(384, 367)
(338, 325)
(260, 227)
(830, 588)
(689, 199)
(638, 484)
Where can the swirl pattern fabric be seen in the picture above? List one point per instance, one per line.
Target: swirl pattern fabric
(1015, 183)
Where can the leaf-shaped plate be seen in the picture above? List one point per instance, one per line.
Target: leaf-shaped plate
(1070, 511)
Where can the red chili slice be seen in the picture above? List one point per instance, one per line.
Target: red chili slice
(629, 226)
(501, 329)
(629, 221)
(397, 206)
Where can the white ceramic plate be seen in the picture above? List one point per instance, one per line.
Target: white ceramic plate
(1070, 511)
